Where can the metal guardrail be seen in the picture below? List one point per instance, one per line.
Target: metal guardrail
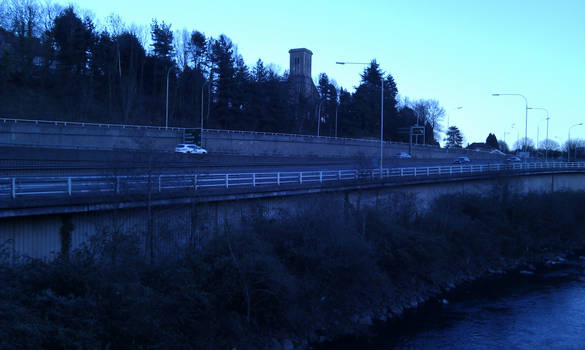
(83, 124)
(31, 187)
(181, 129)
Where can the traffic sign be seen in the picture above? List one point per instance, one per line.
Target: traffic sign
(192, 136)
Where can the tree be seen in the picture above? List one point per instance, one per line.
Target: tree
(503, 146)
(492, 141)
(328, 93)
(366, 102)
(198, 50)
(223, 69)
(162, 41)
(73, 38)
(454, 138)
(428, 113)
(575, 148)
(548, 144)
(524, 143)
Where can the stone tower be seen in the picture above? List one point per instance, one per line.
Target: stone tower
(300, 73)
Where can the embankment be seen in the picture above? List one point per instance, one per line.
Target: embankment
(282, 282)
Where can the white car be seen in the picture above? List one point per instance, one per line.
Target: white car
(189, 148)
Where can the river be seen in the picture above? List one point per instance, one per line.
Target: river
(529, 310)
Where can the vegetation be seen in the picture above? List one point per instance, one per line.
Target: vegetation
(454, 138)
(57, 65)
(296, 277)
(492, 141)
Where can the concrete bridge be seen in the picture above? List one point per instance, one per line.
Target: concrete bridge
(38, 219)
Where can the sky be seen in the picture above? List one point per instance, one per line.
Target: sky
(457, 52)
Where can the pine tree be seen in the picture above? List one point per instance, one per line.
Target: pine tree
(492, 141)
(454, 138)
(162, 41)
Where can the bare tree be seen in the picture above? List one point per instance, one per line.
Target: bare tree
(524, 142)
(549, 144)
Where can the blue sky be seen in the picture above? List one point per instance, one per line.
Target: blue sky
(458, 52)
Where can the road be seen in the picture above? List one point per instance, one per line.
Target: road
(17, 161)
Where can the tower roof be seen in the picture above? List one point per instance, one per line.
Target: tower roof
(300, 50)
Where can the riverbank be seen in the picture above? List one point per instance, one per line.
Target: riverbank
(535, 308)
(304, 278)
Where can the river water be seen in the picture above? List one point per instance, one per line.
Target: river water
(544, 310)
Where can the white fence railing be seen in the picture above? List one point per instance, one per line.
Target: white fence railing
(30, 186)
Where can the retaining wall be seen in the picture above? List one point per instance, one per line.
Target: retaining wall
(48, 134)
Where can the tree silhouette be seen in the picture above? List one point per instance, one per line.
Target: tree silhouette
(454, 138)
(492, 141)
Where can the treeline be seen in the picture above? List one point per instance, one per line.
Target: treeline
(300, 277)
(57, 65)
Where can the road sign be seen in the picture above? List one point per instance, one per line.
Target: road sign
(192, 136)
(417, 130)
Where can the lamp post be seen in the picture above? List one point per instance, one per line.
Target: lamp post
(336, 107)
(381, 113)
(448, 115)
(569, 142)
(202, 89)
(167, 104)
(526, 116)
(512, 128)
(319, 119)
(537, 130)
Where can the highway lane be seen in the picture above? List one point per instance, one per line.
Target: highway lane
(19, 161)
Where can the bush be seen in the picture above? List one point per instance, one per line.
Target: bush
(315, 269)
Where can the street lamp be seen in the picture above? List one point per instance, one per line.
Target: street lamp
(202, 89)
(526, 117)
(569, 142)
(336, 107)
(448, 115)
(509, 132)
(381, 113)
(167, 104)
(537, 130)
(319, 119)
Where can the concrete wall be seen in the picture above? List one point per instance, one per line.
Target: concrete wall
(178, 227)
(77, 136)
(106, 136)
(235, 142)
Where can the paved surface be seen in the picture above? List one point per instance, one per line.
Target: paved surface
(44, 161)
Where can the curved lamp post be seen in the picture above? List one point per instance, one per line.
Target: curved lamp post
(569, 142)
(526, 116)
(381, 113)
(537, 130)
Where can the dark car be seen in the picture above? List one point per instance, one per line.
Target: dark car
(402, 155)
(513, 160)
(461, 160)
